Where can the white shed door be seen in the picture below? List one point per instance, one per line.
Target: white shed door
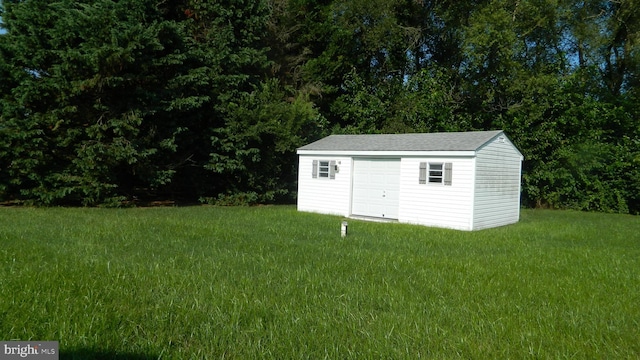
(376, 188)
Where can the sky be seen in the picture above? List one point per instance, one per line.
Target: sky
(2, 31)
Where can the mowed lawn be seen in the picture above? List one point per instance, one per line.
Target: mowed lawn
(269, 282)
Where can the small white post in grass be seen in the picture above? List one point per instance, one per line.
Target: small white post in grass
(343, 229)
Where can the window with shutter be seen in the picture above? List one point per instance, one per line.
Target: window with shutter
(436, 173)
(324, 169)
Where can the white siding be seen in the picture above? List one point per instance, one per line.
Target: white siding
(437, 204)
(323, 195)
(497, 194)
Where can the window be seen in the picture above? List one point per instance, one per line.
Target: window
(435, 173)
(324, 169)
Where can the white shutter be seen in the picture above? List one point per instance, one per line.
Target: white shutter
(314, 171)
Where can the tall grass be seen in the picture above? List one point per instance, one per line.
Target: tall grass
(269, 282)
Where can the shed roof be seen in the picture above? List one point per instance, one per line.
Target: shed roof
(449, 141)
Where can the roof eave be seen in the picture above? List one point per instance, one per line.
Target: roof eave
(388, 153)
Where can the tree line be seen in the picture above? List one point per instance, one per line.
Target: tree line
(113, 102)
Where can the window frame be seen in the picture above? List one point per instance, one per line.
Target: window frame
(324, 170)
(435, 176)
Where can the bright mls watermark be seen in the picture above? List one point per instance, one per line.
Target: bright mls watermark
(36, 350)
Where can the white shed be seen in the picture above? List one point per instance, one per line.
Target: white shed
(458, 180)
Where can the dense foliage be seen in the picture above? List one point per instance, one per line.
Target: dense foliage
(109, 102)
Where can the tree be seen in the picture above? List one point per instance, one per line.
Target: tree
(105, 101)
(111, 101)
(254, 147)
(100, 93)
(553, 81)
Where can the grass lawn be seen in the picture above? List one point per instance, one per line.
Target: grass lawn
(269, 282)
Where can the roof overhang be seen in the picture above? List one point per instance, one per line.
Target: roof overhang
(387, 153)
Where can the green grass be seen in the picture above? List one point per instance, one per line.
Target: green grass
(269, 282)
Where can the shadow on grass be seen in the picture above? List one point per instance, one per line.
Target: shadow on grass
(101, 354)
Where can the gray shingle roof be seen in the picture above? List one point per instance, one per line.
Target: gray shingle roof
(451, 141)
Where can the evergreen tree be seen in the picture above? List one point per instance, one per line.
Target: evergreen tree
(96, 89)
(109, 101)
